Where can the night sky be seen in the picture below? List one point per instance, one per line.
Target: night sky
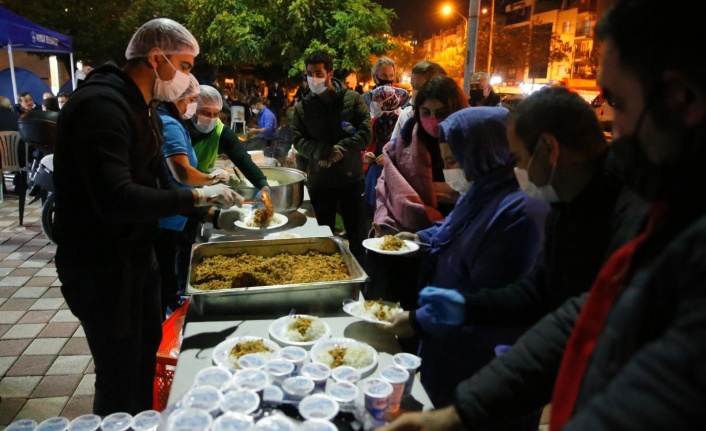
(422, 16)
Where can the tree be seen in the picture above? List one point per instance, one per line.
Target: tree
(452, 59)
(403, 53)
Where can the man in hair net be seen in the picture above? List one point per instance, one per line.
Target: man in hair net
(111, 189)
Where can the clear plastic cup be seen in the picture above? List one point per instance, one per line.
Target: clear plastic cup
(411, 364)
(252, 361)
(344, 392)
(377, 395)
(296, 355)
(240, 401)
(205, 398)
(233, 421)
(317, 425)
(276, 423)
(397, 377)
(190, 420)
(254, 380)
(318, 406)
(216, 377)
(117, 422)
(279, 369)
(89, 422)
(317, 372)
(272, 394)
(23, 425)
(53, 424)
(345, 373)
(296, 388)
(146, 421)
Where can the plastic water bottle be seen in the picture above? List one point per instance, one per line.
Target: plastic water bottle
(348, 128)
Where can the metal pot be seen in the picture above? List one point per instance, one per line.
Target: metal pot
(287, 196)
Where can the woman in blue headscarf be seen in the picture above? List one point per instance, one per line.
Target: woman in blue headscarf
(492, 237)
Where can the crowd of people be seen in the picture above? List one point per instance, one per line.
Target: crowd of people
(537, 233)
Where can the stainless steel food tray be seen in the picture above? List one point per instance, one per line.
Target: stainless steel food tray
(308, 298)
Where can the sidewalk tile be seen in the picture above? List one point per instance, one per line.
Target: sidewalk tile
(57, 386)
(9, 408)
(4, 272)
(14, 281)
(69, 365)
(31, 264)
(18, 387)
(46, 272)
(53, 292)
(40, 281)
(47, 304)
(42, 408)
(37, 316)
(18, 304)
(78, 405)
(13, 347)
(24, 272)
(11, 316)
(59, 329)
(24, 330)
(76, 346)
(56, 283)
(46, 346)
(31, 365)
(87, 385)
(80, 333)
(5, 363)
(64, 316)
(30, 292)
(7, 291)
(5, 328)
(2, 300)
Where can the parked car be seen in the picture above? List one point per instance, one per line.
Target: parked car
(510, 97)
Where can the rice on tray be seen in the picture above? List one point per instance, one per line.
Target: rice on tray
(355, 355)
(303, 329)
(246, 270)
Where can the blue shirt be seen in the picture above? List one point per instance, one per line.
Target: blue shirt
(266, 120)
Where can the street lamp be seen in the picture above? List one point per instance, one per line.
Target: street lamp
(448, 10)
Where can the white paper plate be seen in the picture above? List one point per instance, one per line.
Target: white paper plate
(278, 220)
(221, 354)
(374, 244)
(329, 343)
(357, 309)
(278, 329)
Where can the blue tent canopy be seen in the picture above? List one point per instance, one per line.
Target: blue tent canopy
(21, 34)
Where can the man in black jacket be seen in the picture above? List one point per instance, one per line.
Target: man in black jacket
(111, 188)
(630, 354)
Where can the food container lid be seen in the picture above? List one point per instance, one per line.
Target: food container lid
(212, 376)
(190, 420)
(252, 361)
(376, 387)
(53, 424)
(293, 353)
(22, 425)
(345, 373)
(394, 374)
(342, 391)
(87, 422)
(279, 367)
(299, 385)
(233, 421)
(203, 398)
(272, 394)
(146, 421)
(240, 401)
(255, 380)
(317, 425)
(316, 371)
(276, 423)
(318, 406)
(407, 360)
(117, 422)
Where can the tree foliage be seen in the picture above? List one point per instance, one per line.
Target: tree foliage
(452, 59)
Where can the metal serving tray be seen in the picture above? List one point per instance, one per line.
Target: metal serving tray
(307, 298)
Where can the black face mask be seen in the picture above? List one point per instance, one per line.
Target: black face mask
(381, 82)
(476, 93)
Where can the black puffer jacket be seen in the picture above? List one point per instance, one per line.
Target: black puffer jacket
(110, 171)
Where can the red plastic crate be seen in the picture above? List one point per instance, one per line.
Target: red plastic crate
(166, 364)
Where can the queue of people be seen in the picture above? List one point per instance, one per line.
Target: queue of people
(585, 257)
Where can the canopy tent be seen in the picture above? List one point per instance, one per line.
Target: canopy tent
(26, 80)
(24, 35)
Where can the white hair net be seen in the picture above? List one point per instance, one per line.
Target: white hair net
(165, 34)
(193, 89)
(209, 97)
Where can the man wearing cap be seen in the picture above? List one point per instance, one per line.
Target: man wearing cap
(111, 188)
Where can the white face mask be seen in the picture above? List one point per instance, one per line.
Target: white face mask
(204, 124)
(317, 85)
(190, 111)
(255, 111)
(456, 179)
(61, 105)
(172, 89)
(544, 193)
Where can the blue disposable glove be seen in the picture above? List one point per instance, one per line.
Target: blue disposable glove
(444, 306)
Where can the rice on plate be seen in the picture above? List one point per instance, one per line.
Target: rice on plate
(345, 351)
(304, 328)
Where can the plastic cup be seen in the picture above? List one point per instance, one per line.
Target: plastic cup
(53, 424)
(146, 421)
(344, 392)
(317, 425)
(276, 423)
(279, 369)
(240, 401)
(216, 377)
(117, 422)
(377, 395)
(318, 406)
(296, 355)
(24, 425)
(397, 377)
(296, 388)
(89, 422)
(190, 420)
(205, 398)
(344, 373)
(272, 394)
(317, 372)
(252, 361)
(411, 364)
(254, 380)
(233, 421)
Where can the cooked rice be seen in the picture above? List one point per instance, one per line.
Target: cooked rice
(246, 270)
(392, 243)
(380, 311)
(356, 356)
(246, 347)
(303, 329)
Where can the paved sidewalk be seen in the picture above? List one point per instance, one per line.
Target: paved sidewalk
(45, 363)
